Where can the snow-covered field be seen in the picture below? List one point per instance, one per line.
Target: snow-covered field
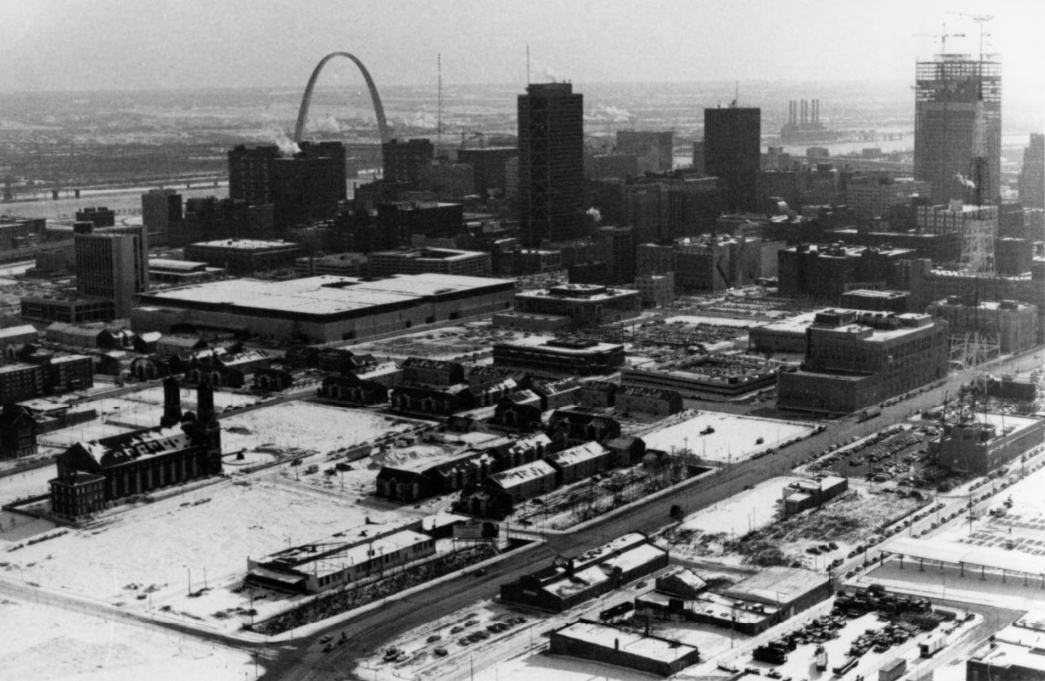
(25, 484)
(734, 438)
(205, 534)
(707, 536)
(306, 425)
(748, 510)
(45, 642)
(132, 411)
(144, 408)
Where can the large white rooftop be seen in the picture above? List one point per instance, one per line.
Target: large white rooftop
(320, 295)
(247, 244)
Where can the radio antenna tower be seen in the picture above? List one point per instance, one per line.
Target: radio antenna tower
(439, 113)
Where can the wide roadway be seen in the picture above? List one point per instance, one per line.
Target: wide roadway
(304, 660)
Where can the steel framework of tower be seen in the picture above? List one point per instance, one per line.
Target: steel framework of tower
(306, 101)
(978, 246)
(957, 100)
(974, 349)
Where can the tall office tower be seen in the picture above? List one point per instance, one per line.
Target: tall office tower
(250, 173)
(406, 162)
(732, 152)
(308, 186)
(698, 157)
(304, 184)
(619, 246)
(1032, 175)
(161, 207)
(655, 150)
(105, 265)
(957, 119)
(551, 163)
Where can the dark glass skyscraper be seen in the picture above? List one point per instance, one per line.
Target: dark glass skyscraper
(305, 184)
(732, 152)
(957, 118)
(551, 163)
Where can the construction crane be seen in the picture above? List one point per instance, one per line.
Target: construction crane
(942, 36)
(980, 19)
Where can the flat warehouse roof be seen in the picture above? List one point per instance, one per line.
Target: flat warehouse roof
(954, 553)
(607, 637)
(325, 294)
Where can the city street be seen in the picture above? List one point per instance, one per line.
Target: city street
(301, 662)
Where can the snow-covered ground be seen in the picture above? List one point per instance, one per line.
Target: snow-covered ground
(25, 484)
(306, 425)
(706, 536)
(144, 408)
(45, 642)
(743, 512)
(734, 438)
(132, 411)
(206, 534)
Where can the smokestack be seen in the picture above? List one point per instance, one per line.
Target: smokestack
(805, 112)
(204, 403)
(171, 402)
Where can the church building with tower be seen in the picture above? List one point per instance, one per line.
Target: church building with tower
(184, 447)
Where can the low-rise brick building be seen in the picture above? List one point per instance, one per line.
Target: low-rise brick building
(649, 401)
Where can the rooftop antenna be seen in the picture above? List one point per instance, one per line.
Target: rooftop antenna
(527, 64)
(736, 93)
(979, 19)
(439, 119)
(944, 36)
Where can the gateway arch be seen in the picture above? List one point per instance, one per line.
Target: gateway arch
(306, 101)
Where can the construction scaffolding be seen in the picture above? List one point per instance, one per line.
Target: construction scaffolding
(978, 245)
(972, 350)
(957, 108)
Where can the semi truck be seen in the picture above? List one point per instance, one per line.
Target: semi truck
(932, 645)
(846, 665)
(870, 413)
(893, 670)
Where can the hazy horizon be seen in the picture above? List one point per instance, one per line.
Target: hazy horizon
(137, 45)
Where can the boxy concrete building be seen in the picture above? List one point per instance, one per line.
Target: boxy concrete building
(623, 648)
(324, 308)
(565, 584)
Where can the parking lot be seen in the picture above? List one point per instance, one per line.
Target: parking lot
(898, 454)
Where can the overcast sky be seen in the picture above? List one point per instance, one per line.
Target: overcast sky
(129, 44)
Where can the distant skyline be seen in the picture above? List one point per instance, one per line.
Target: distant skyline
(62, 45)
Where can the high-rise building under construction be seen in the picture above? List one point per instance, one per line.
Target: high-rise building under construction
(957, 127)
